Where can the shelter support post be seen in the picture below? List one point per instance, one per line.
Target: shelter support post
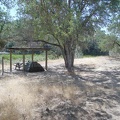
(23, 60)
(32, 55)
(2, 65)
(10, 60)
(46, 59)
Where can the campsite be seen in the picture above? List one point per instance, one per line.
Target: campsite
(59, 59)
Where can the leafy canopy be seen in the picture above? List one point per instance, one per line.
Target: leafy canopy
(62, 20)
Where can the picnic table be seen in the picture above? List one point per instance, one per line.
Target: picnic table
(18, 65)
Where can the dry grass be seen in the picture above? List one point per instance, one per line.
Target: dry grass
(25, 97)
(51, 95)
(19, 98)
(9, 111)
(16, 101)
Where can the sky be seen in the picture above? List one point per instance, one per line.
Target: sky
(12, 11)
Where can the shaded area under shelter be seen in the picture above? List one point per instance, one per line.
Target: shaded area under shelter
(23, 50)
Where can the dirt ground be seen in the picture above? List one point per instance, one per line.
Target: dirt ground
(92, 93)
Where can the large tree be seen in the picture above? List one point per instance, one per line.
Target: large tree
(67, 23)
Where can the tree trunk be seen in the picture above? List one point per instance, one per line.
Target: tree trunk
(68, 55)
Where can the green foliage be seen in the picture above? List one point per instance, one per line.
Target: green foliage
(107, 42)
(114, 33)
(78, 52)
(3, 20)
(9, 45)
(2, 44)
(5, 24)
(114, 27)
(58, 22)
(102, 40)
(94, 49)
(55, 51)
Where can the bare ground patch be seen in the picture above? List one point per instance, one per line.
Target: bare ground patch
(92, 93)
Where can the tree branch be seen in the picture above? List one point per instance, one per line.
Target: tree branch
(2, 26)
(89, 17)
(81, 5)
(117, 43)
(57, 40)
(48, 43)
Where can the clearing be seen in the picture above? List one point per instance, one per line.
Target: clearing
(92, 93)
